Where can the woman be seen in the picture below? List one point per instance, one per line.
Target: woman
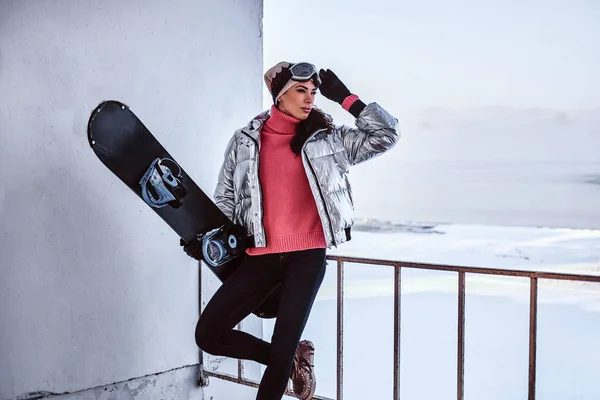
(285, 179)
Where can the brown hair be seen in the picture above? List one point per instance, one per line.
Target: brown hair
(315, 120)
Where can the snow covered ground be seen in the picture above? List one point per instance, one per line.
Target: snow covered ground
(497, 314)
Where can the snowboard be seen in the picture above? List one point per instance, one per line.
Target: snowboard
(131, 152)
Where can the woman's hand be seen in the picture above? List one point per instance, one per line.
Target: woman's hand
(192, 249)
(332, 87)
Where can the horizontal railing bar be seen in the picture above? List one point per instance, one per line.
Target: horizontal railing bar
(471, 270)
(251, 383)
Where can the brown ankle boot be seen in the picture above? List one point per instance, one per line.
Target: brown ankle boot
(303, 374)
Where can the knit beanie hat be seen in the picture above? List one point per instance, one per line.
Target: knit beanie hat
(278, 79)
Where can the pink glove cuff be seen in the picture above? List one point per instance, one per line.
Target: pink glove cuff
(348, 101)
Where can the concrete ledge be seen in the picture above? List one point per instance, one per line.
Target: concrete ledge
(179, 383)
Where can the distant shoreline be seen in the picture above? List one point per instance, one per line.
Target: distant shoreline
(374, 225)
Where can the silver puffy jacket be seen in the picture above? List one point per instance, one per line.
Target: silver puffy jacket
(326, 156)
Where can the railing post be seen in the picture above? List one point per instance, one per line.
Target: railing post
(240, 361)
(460, 370)
(397, 327)
(202, 378)
(533, 300)
(340, 329)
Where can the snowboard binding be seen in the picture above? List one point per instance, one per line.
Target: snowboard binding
(161, 186)
(224, 244)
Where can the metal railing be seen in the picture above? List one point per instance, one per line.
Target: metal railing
(533, 276)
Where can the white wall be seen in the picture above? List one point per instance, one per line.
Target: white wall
(94, 287)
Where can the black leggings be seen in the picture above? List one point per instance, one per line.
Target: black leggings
(301, 274)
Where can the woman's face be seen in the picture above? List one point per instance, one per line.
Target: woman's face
(298, 100)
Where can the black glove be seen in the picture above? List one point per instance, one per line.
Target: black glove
(192, 249)
(331, 86)
(333, 89)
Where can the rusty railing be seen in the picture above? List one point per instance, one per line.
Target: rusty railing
(533, 276)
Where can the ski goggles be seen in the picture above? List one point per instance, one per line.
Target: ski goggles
(299, 72)
(303, 72)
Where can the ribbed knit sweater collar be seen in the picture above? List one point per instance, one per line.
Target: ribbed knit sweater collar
(281, 123)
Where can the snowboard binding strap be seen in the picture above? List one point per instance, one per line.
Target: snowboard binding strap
(224, 244)
(162, 187)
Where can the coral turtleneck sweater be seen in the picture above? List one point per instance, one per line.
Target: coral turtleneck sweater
(290, 216)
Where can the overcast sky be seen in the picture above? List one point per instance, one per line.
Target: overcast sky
(453, 54)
